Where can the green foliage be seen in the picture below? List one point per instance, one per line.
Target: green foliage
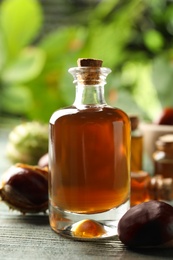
(16, 99)
(28, 65)
(162, 76)
(131, 37)
(20, 21)
(19, 63)
(153, 40)
(109, 31)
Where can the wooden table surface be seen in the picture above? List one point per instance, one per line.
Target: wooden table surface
(30, 237)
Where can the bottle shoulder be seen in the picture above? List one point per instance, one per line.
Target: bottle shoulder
(87, 111)
(62, 112)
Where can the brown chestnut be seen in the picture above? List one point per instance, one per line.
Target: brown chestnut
(147, 224)
(25, 188)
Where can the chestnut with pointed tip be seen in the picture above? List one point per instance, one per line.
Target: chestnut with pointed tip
(25, 188)
(147, 224)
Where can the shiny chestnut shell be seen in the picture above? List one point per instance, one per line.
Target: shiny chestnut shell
(25, 188)
(147, 224)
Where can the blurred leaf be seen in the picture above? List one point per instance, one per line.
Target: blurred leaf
(46, 99)
(100, 46)
(20, 20)
(103, 9)
(162, 76)
(144, 92)
(27, 66)
(168, 17)
(16, 98)
(63, 41)
(125, 101)
(154, 40)
(133, 90)
(67, 88)
(3, 51)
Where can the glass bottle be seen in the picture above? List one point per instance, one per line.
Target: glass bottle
(163, 156)
(89, 153)
(145, 188)
(136, 144)
(139, 187)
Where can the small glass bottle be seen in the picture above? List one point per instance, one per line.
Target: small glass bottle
(145, 188)
(89, 159)
(136, 144)
(163, 156)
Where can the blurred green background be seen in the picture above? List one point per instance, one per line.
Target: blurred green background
(133, 38)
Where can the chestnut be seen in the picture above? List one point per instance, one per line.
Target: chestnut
(25, 188)
(147, 224)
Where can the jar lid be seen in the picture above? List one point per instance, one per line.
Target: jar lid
(165, 142)
(140, 177)
(166, 138)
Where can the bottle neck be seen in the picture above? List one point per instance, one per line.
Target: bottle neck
(89, 95)
(89, 83)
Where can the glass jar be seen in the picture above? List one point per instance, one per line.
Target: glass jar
(145, 187)
(139, 187)
(89, 158)
(163, 156)
(136, 145)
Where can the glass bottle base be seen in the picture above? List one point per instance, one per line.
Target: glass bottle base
(87, 226)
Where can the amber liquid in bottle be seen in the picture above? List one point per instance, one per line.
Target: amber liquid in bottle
(89, 152)
(89, 172)
(136, 145)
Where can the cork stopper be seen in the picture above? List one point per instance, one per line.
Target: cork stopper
(134, 119)
(90, 71)
(89, 63)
